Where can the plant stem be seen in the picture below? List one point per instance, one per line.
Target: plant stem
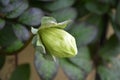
(102, 41)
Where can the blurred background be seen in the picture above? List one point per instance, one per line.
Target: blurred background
(95, 26)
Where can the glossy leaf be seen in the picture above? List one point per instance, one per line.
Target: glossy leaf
(110, 49)
(2, 23)
(23, 5)
(31, 17)
(111, 2)
(97, 8)
(73, 72)
(2, 61)
(47, 69)
(21, 32)
(98, 22)
(22, 72)
(8, 40)
(11, 6)
(4, 2)
(110, 69)
(17, 45)
(82, 59)
(83, 33)
(7, 36)
(58, 4)
(64, 14)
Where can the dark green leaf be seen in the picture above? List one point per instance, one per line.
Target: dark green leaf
(97, 8)
(118, 14)
(83, 33)
(21, 32)
(2, 23)
(111, 2)
(47, 69)
(22, 72)
(73, 72)
(11, 6)
(82, 11)
(7, 36)
(4, 2)
(110, 49)
(31, 17)
(64, 14)
(82, 59)
(2, 61)
(59, 4)
(110, 71)
(8, 39)
(46, 0)
(98, 21)
(17, 45)
(23, 5)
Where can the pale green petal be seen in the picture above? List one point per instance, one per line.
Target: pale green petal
(34, 30)
(58, 42)
(64, 24)
(39, 44)
(48, 22)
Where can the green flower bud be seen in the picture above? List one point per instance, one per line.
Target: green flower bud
(53, 39)
(58, 42)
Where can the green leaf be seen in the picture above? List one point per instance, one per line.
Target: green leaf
(97, 8)
(110, 71)
(73, 72)
(82, 59)
(8, 40)
(118, 14)
(22, 72)
(21, 32)
(2, 61)
(4, 2)
(64, 14)
(31, 17)
(47, 69)
(23, 5)
(83, 33)
(2, 23)
(110, 49)
(111, 2)
(7, 36)
(58, 4)
(11, 6)
(97, 21)
(17, 45)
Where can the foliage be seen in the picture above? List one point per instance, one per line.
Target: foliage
(89, 26)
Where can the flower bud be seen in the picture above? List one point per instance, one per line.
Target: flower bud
(58, 42)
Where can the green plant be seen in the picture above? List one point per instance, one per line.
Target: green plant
(89, 27)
